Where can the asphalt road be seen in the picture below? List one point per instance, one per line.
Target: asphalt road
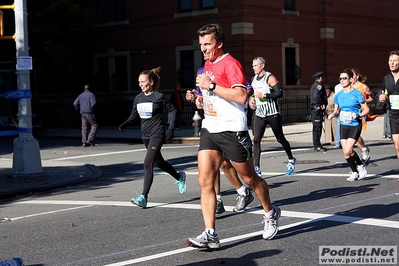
(94, 223)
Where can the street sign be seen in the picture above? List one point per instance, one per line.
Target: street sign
(7, 133)
(18, 94)
(24, 63)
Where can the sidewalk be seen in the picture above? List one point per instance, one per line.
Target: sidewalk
(63, 173)
(56, 174)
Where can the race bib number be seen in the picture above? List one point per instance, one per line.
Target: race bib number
(345, 117)
(394, 100)
(145, 110)
(209, 106)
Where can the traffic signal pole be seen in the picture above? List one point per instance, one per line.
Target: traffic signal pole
(26, 157)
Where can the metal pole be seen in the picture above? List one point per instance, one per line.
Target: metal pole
(26, 158)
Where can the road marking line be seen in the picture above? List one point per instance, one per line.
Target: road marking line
(141, 150)
(338, 218)
(152, 257)
(96, 155)
(269, 174)
(292, 214)
(114, 152)
(50, 212)
(311, 217)
(186, 249)
(283, 151)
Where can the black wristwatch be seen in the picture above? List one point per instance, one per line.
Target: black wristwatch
(212, 86)
(358, 116)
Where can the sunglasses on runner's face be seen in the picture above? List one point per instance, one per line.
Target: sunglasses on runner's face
(343, 78)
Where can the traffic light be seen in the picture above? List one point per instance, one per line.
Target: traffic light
(2, 23)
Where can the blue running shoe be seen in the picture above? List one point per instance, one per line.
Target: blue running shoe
(258, 171)
(291, 166)
(140, 201)
(182, 182)
(12, 262)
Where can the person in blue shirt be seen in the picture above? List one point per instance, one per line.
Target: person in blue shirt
(85, 103)
(351, 106)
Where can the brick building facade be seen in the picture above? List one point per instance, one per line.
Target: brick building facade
(297, 38)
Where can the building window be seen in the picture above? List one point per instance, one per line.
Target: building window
(207, 4)
(186, 75)
(111, 73)
(119, 80)
(120, 10)
(109, 12)
(290, 67)
(289, 5)
(185, 5)
(102, 7)
(101, 75)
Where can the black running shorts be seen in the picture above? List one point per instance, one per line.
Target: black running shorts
(234, 146)
(394, 125)
(351, 132)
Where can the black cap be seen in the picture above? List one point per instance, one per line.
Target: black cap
(317, 74)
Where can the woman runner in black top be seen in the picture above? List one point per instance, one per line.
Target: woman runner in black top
(148, 106)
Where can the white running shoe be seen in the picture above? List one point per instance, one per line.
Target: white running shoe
(353, 176)
(219, 208)
(361, 169)
(258, 171)
(243, 201)
(365, 154)
(271, 224)
(204, 240)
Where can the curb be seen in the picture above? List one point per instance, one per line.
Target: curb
(96, 173)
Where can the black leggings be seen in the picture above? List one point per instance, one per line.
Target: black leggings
(152, 156)
(258, 129)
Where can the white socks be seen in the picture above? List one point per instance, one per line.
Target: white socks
(270, 213)
(210, 231)
(242, 191)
